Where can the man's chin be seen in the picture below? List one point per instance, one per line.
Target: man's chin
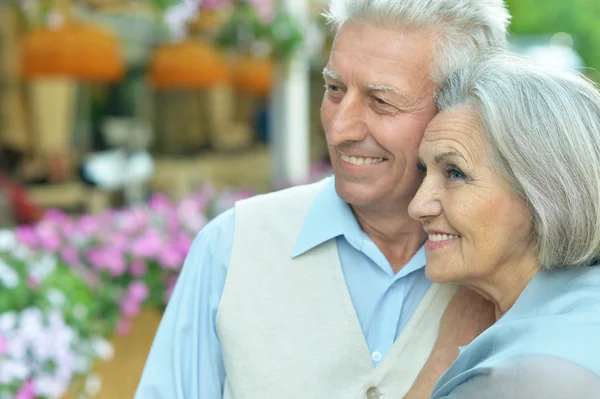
(353, 191)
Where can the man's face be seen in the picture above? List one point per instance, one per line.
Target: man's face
(378, 101)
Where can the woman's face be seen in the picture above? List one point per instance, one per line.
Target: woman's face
(477, 226)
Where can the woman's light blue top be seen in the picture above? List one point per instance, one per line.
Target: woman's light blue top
(546, 346)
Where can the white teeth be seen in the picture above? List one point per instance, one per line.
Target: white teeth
(361, 161)
(441, 237)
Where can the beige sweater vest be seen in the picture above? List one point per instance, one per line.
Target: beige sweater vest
(288, 328)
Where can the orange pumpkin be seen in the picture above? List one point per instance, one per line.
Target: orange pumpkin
(192, 64)
(74, 50)
(254, 75)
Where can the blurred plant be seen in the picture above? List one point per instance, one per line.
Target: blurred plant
(51, 332)
(258, 28)
(130, 256)
(576, 17)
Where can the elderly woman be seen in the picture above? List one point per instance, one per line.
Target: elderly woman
(511, 203)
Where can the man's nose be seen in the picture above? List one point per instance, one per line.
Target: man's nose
(426, 204)
(348, 122)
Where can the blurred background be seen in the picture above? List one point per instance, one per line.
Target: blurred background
(126, 125)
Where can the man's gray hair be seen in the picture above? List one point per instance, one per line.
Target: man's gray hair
(463, 26)
(542, 128)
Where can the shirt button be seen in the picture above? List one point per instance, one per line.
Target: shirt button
(376, 356)
(373, 393)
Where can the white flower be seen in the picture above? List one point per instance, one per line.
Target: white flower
(8, 277)
(43, 267)
(21, 252)
(56, 298)
(31, 323)
(17, 347)
(11, 370)
(102, 348)
(49, 386)
(7, 240)
(93, 385)
(80, 311)
(82, 364)
(8, 321)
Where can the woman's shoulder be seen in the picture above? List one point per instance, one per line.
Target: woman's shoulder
(558, 292)
(530, 377)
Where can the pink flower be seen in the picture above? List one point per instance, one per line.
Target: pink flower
(50, 241)
(130, 308)
(183, 243)
(115, 263)
(119, 242)
(170, 287)
(3, 345)
(27, 236)
(33, 283)
(87, 225)
(138, 268)
(138, 291)
(147, 245)
(170, 257)
(70, 256)
(57, 216)
(123, 327)
(27, 391)
(96, 257)
(159, 202)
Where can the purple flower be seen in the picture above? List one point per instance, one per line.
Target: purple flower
(138, 291)
(138, 268)
(27, 236)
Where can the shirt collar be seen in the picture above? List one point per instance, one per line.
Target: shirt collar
(340, 220)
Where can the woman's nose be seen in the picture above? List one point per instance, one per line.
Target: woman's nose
(426, 203)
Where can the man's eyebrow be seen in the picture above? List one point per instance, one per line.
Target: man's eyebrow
(386, 89)
(450, 154)
(330, 74)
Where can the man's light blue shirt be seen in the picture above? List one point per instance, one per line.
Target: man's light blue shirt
(185, 360)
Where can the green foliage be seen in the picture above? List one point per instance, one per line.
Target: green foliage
(246, 27)
(580, 18)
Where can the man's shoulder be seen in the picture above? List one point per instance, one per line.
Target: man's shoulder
(285, 200)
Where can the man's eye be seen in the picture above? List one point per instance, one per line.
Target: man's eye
(421, 166)
(332, 88)
(380, 101)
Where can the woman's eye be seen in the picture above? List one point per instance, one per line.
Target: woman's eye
(453, 173)
(421, 166)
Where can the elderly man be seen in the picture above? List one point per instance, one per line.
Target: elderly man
(319, 291)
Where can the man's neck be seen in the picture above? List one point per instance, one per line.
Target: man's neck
(396, 234)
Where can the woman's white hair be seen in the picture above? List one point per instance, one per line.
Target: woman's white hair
(542, 128)
(463, 26)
